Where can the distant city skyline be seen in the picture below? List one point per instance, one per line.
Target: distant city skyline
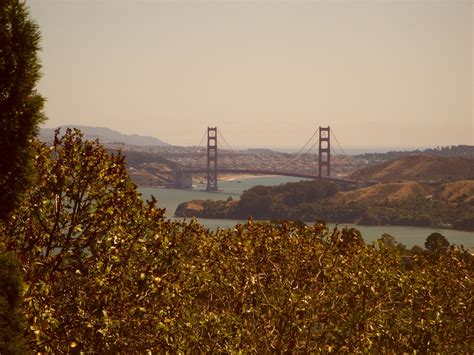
(267, 73)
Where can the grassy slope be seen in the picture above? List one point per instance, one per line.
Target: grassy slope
(416, 167)
(383, 193)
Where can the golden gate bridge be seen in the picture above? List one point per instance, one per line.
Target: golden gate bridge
(182, 176)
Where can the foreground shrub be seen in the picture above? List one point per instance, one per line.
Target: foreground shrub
(106, 272)
(11, 319)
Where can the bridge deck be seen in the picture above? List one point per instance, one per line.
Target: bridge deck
(272, 172)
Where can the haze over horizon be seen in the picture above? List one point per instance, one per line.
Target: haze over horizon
(267, 73)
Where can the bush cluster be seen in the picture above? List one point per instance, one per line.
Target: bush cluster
(105, 271)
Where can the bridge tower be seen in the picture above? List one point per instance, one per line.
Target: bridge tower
(211, 159)
(324, 151)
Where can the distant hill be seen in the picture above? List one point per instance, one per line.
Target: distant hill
(456, 191)
(462, 150)
(399, 192)
(106, 135)
(418, 167)
(388, 193)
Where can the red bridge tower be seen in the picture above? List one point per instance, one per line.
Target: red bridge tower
(211, 159)
(324, 151)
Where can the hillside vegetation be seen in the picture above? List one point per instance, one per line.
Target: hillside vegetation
(383, 193)
(418, 167)
(457, 191)
(398, 192)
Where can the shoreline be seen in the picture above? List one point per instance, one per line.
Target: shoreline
(223, 177)
(233, 177)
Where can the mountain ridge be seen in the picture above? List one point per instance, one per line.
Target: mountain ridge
(105, 135)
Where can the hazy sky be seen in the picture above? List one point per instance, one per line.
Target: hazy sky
(267, 73)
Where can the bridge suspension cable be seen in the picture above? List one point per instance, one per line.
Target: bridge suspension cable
(339, 144)
(222, 136)
(310, 148)
(202, 139)
(220, 146)
(309, 140)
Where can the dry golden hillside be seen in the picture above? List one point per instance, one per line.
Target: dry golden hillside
(383, 193)
(457, 191)
(418, 167)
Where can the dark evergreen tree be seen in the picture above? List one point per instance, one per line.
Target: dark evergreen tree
(436, 242)
(20, 104)
(20, 114)
(11, 317)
